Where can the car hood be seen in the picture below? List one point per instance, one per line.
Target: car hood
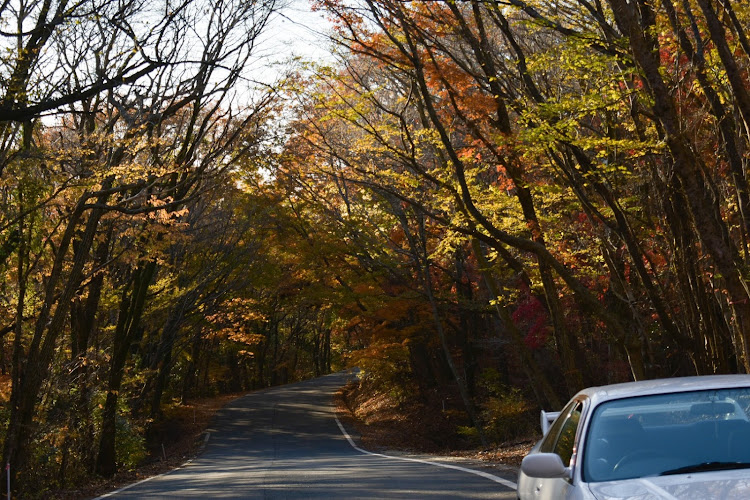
(733, 484)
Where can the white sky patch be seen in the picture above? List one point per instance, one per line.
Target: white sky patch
(295, 32)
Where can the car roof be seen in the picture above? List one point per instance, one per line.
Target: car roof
(663, 386)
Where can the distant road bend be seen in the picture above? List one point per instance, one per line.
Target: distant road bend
(286, 442)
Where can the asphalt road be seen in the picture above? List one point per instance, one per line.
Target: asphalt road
(285, 442)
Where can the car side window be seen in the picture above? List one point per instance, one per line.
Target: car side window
(561, 437)
(548, 443)
(565, 443)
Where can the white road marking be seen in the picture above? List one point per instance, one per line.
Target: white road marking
(486, 475)
(112, 493)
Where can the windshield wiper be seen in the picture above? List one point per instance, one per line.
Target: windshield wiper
(707, 466)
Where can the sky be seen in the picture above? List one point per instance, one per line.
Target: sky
(297, 31)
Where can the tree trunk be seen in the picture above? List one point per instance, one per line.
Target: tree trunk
(163, 359)
(713, 233)
(82, 322)
(540, 385)
(459, 379)
(31, 374)
(127, 331)
(566, 342)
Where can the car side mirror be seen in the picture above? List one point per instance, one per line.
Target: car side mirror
(544, 465)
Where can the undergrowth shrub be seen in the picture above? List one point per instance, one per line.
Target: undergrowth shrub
(506, 414)
(386, 370)
(131, 445)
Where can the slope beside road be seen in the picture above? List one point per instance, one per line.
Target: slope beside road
(286, 442)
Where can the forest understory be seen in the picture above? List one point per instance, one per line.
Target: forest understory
(177, 439)
(384, 424)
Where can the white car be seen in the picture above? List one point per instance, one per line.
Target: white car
(675, 438)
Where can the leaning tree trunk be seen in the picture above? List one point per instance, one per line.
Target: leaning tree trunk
(127, 331)
(83, 322)
(712, 230)
(459, 379)
(163, 359)
(32, 372)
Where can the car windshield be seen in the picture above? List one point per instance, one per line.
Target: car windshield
(665, 434)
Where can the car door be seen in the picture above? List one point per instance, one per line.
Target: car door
(561, 439)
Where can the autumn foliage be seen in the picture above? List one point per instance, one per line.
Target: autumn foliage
(485, 206)
(568, 182)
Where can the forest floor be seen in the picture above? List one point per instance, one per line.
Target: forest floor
(379, 424)
(385, 425)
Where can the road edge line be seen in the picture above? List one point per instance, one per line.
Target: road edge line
(486, 475)
(132, 485)
(112, 493)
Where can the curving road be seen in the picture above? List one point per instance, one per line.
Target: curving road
(285, 442)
